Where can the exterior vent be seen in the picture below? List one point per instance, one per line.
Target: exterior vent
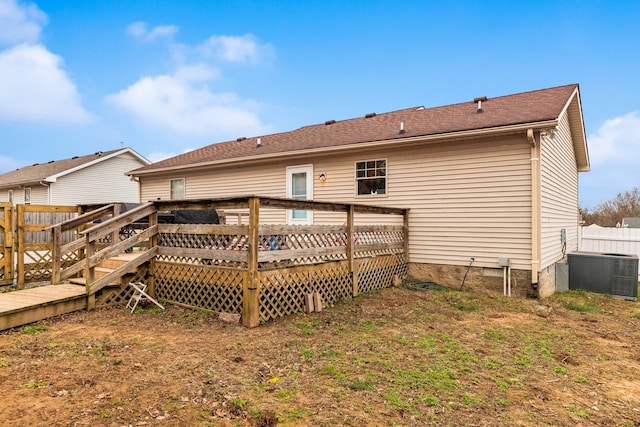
(369, 115)
(51, 161)
(329, 122)
(74, 157)
(242, 138)
(479, 101)
(35, 164)
(604, 273)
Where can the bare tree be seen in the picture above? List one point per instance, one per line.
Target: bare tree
(610, 213)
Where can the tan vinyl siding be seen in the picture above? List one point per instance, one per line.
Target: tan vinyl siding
(101, 182)
(559, 193)
(263, 180)
(466, 199)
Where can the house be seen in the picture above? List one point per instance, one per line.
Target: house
(491, 183)
(631, 222)
(94, 178)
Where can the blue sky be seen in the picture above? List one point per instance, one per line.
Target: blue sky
(164, 77)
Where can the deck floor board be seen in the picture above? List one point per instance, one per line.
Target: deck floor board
(24, 298)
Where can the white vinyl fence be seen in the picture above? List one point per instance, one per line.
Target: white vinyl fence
(610, 240)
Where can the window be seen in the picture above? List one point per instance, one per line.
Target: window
(371, 177)
(10, 196)
(300, 186)
(27, 196)
(177, 189)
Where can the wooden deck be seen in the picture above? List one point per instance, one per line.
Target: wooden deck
(30, 305)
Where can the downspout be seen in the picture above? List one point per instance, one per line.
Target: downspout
(44, 184)
(535, 209)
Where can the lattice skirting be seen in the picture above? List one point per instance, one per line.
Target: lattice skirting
(120, 295)
(380, 272)
(202, 286)
(282, 291)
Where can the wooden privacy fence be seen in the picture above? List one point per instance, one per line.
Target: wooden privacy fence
(6, 244)
(33, 249)
(610, 240)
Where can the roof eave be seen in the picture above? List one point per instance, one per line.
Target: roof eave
(441, 137)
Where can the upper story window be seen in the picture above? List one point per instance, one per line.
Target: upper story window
(10, 196)
(177, 189)
(371, 177)
(27, 196)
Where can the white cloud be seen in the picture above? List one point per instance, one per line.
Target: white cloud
(183, 103)
(614, 152)
(8, 164)
(617, 138)
(239, 49)
(20, 23)
(140, 31)
(156, 156)
(35, 87)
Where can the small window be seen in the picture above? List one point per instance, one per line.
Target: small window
(10, 196)
(27, 196)
(371, 177)
(177, 189)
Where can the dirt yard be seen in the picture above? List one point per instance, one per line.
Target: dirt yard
(400, 357)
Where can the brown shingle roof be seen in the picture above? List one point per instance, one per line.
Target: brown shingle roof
(40, 171)
(522, 108)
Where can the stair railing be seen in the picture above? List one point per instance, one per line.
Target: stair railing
(61, 252)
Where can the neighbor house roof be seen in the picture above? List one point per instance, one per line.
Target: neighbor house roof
(539, 109)
(53, 169)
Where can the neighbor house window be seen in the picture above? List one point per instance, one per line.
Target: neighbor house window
(10, 196)
(371, 177)
(27, 196)
(177, 189)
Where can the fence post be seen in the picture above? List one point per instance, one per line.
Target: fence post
(20, 251)
(251, 288)
(351, 251)
(56, 255)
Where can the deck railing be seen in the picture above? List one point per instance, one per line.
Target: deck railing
(260, 271)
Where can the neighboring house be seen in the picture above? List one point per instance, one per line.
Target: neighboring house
(489, 178)
(631, 222)
(95, 178)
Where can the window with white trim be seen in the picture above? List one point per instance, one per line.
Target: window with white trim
(371, 178)
(27, 196)
(10, 196)
(177, 189)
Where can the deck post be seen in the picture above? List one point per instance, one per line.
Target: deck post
(115, 236)
(405, 236)
(351, 250)
(90, 272)
(251, 288)
(56, 255)
(153, 242)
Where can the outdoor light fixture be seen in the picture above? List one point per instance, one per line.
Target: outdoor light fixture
(322, 177)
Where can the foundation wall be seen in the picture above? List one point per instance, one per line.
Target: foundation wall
(491, 279)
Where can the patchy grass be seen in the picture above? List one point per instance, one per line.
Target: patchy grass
(393, 357)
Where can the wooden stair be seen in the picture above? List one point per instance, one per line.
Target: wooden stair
(107, 266)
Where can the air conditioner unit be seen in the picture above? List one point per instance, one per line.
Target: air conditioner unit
(604, 273)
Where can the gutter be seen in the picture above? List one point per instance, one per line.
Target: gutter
(441, 137)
